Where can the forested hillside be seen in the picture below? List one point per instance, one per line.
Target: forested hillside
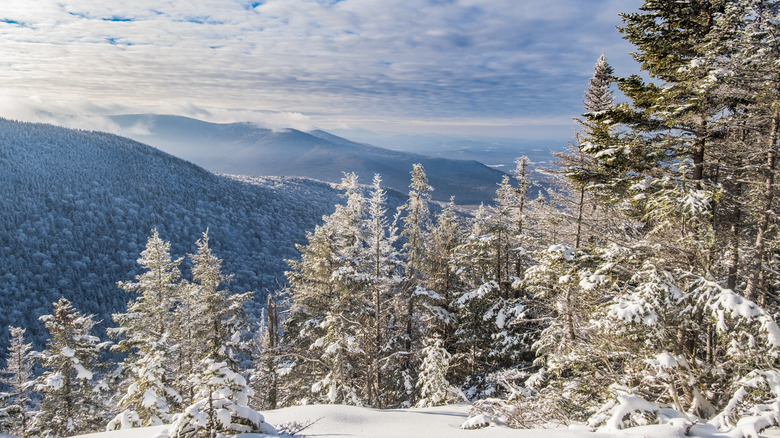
(76, 209)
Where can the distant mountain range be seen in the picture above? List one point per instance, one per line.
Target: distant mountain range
(243, 148)
(77, 207)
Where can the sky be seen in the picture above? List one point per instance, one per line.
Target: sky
(500, 68)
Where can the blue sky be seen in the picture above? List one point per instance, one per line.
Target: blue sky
(505, 68)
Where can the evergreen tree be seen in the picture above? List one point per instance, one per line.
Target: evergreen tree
(267, 353)
(222, 313)
(17, 376)
(432, 383)
(344, 328)
(70, 385)
(382, 262)
(583, 172)
(416, 223)
(329, 289)
(664, 160)
(221, 406)
(742, 55)
(440, 273)
(149, 391)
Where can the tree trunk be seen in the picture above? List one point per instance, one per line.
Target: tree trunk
(754, 290)
(580, 208)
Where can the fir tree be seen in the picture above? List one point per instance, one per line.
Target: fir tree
(223, 313)
(221, 406)
(440, 274)
(416, 222)
(662, 157)
(432, 382)
(382, 261)
(329, 288)
(17, 376)
(149, 392)
(70, 385)
(266, 354)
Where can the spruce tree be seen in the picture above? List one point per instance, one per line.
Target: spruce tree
(70, 386)
(668, 158)
(329, 287)
(382, 262)
(222, 313)
(17, 376)
(221, 406)
(490, 305)
(440, 273)
(432, 383)
(416, 223)
(149, 392)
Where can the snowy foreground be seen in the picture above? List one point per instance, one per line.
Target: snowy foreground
(440, 422)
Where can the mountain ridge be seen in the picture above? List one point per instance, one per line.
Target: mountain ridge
(242, 148)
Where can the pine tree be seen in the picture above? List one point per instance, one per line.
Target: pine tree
(70, 385)
(17, 376)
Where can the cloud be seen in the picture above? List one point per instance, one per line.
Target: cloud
(401, 60)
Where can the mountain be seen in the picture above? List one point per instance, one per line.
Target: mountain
(77, 207)
(243, 148)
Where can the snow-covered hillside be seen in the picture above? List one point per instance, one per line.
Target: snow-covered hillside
(76, 209)
(243, 148)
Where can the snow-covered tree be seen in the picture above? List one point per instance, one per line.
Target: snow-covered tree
(653, 310)
(345, 325)
(329, 287)
(266, 353)
(440, 274)
(382, 261)
(432, 381)
(17, 377)
(582, 171)
(221, 406)
(490, 336)
(145, 329)
(71, 389)
(221, 313)
(416, 223)
(221, 393)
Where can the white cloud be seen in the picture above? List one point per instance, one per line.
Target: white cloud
(405, 59)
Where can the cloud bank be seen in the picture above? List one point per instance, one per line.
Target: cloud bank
(327, 63)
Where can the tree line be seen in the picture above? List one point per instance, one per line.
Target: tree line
(644, 280)
(175, 359)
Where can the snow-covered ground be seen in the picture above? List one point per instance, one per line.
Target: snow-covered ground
(333, 421)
